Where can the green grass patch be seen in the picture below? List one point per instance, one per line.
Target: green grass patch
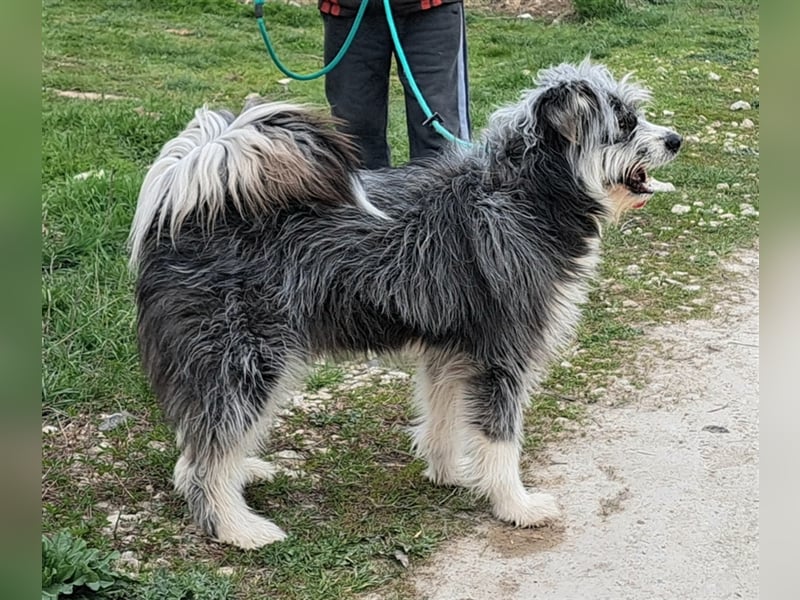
(359, 498)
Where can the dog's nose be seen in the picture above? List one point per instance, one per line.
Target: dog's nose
(673, 142)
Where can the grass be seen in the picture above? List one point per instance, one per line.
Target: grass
(360, 497)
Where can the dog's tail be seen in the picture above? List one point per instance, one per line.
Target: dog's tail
(271, 156)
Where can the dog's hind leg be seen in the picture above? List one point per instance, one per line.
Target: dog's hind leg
(439, 431)
(495, 400)
(211, 475)
(218, 440)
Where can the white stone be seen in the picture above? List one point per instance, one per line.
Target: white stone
(713, 76)
(633, 269)
(87, 174)
(128, 562)
(740, 105)
(748, 210)
(289, 455)
(747, 124)
(680, 209)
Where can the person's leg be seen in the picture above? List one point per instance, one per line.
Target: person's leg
(434, 42)
(358, 88)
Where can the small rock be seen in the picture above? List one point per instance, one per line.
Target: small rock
(525, 16)
(398, 374)
(226, 571)
(97, 174)
(128, 562)
(113, 421)
(715, 429)
(630, 304)
(156, 445)
(402, 558)
(713, 76)
(740, 105)
(754, 71)
(747, 124)
(140, 110)
(49, 429)
(289, 455)
(633, 269)
(668, 113)
(680, 209)
(747, 210)
(737, 90)
(723, 186)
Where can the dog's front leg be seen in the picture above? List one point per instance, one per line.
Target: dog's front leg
(495, 401)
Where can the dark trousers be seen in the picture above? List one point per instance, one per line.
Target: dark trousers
(434, 42)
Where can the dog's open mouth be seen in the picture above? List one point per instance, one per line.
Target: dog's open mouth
(637, 182)
(641, 184)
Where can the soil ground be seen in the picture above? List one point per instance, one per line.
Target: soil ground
(660, 495)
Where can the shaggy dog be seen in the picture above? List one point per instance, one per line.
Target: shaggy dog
(259, 245)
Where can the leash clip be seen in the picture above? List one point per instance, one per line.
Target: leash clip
(258, 8)
(434, 117)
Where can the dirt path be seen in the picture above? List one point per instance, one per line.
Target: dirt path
(660, 496)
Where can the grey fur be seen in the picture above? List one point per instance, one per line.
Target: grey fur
(479, 259)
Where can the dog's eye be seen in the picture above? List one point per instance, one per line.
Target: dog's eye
(627, 122)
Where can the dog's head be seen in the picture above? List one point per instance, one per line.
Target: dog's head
(582, 113)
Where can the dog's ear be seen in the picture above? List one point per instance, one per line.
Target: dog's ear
(567, 109)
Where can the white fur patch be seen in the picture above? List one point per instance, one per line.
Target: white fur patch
(440, 430)
(493, 471)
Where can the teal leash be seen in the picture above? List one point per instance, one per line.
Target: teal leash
(432, 118)
(258, 6)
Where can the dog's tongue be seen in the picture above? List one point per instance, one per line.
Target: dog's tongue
(654, 185)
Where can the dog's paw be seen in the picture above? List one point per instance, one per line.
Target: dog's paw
(528, 510)
(442, 476)
(256, 469)
(249, 532)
